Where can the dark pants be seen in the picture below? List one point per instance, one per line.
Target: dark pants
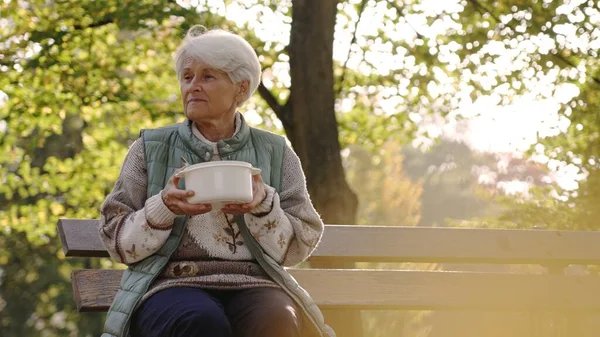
(191, 312)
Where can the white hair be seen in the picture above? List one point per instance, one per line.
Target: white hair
(221, 50)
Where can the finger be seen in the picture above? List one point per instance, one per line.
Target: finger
(258, 196)
(176, 177)
(194, 209)
(256, 178)
(237, 209)
(175, 180)
(178, 194)
(229, 208)
(232, 211)
(236, 206)
(249, 206)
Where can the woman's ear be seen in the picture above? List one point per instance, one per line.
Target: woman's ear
(243, 87)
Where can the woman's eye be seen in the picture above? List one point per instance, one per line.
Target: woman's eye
(208, 76)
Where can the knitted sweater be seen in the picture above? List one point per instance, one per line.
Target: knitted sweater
(212, 253)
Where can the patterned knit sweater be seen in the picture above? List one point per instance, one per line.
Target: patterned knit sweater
(212, 253)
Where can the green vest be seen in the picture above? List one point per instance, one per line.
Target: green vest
(163, 150)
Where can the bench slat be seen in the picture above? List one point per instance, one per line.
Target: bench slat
(414, 290)
(80, 238)
(407, 244)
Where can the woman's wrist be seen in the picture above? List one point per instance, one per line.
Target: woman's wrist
(266, 204)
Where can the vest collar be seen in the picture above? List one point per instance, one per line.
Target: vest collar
(225, 146)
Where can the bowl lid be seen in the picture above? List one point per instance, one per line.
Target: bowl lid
(219, 163)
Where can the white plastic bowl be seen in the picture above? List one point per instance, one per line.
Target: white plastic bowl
(219, 182)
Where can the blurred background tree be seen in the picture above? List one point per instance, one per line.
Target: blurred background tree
(403, 84)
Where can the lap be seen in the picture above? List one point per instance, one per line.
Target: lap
(183, 311)
(257, 300)
(262, 312)
(174, 311)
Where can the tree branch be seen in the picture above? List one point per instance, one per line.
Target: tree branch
(361, 9)
(482, 9)
(107, 20)
(269, 98)
(400, 11)
(283, 112)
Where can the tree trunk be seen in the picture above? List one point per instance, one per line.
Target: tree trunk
(314, 133)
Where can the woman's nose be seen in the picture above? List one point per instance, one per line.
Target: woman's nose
(196, 84)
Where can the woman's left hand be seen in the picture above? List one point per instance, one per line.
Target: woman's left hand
(259, 194)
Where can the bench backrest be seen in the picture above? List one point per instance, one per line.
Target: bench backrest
(405, 289)
(408, 244)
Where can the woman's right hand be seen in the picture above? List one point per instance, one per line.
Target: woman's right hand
(175, 199)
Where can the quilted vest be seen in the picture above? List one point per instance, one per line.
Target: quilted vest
(163, 149)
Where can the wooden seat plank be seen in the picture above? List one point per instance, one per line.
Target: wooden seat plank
(414, 290)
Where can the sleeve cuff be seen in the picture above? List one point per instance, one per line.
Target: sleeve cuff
(266, 205)
(158, 214)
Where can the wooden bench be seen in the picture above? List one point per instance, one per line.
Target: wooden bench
(551, 291)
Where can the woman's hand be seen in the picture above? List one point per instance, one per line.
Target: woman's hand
(259, 193)
(175, 199)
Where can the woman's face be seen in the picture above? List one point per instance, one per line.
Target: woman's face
(207, 94)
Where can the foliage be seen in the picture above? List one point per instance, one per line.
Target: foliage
(451, 186)
(550, 48)
(387, 197)
(35, 288)
(83, 77)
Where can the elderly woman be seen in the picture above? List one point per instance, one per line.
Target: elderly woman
(195, 271)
